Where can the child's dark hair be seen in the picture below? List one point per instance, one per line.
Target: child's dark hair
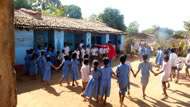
(123, 59)
(95, 64)
(86, 56)
(58, 52)
(166, 58)
(33, 56)
(28, 51)
(43, 52)
(158, 48)
(179, 55)
(63, 51)
(48, 58)
(166, 52)
(173, 50)
(145, 57)
(105, 60)
(74, 56)
(109, 41)
(83, 46)
(66, 57)
(86, 61)
(39, 46)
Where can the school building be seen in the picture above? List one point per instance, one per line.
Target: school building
(34, 28)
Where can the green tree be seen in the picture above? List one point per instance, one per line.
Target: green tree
(94, 17)
(22, 4)
(133, 28)
(113, 18)
(72, 11)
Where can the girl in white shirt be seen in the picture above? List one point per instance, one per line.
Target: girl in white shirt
(77, 52)
(85, 72)
(173, 61)
(180, 64)
(88, 50)
(187, 64)
(165, 73)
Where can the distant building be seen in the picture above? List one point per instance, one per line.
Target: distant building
(33, 28)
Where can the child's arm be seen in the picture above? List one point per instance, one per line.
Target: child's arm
(153, 72)
(137, 73)
(133, 72)
(56, 68)
(114, 75)
(159, 73)
(102, 46)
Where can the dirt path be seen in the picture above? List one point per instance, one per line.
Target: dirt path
(31, 93)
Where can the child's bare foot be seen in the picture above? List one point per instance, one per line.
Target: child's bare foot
(68, 83)
(165, 97)
(144, 96)
(128, 93)
(168, 85)
(73, 85)
(176, 81)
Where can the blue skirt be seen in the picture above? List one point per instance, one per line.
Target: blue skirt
(47, 75)
(92, 88)
(74, 73)
(105, 87)
(65, 74)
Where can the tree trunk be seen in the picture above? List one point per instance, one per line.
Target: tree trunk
(7, 74)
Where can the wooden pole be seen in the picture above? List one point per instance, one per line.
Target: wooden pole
(7, 75)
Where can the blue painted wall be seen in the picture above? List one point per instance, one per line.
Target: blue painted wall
(58, 40)
(23, 41)
(69, 36)
(40, 38)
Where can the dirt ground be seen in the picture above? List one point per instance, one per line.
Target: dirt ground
(31, 93)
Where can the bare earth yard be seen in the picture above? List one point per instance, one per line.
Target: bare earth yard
(31, 93)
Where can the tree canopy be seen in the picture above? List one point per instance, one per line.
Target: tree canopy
(72, 11)
(133, 28)
(22, 4)
(113, 18)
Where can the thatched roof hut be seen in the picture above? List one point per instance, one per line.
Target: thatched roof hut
(28, 19)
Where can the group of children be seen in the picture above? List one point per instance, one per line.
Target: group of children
(99, 86)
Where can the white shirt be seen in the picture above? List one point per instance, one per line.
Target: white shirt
(188, 59)
(180, 62)
(88, 51)
(63, 56)
(173, 59)
(81, 44)
(67, 50)
(105, 50)
(85, 71)
(78, 53)
(94, 51)
(101, 51)
(166, 68)
(82, 53)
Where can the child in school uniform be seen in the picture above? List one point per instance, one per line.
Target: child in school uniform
(147, 52)
(33, 67)
(45, 47)
(144, 67)
(88, 50)
(82, 54)
(92, 88)
(74, 70)
(63, 55)
(47, 73)
(58, 58)
(38, 51)
(85, 72)
(49, 52)
(53, 56)
(65, 70)
(165, 73)
(41, 63)
(180, 64)
(173, 61)
(27, 61)
(141, 52)
(187, 63)
(105, 81)
(101, 54)
(131, 69)
(78, 53)
(159, 58)
(122, 72)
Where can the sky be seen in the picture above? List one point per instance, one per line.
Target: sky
(165, 13)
